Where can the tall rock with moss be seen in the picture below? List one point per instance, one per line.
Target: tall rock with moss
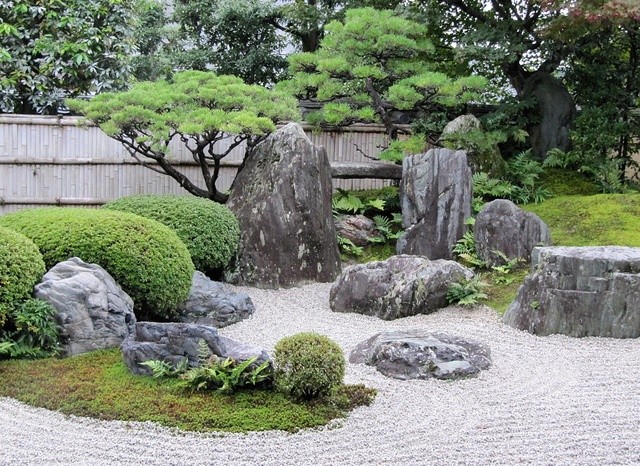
(282, 199)
(435, 196)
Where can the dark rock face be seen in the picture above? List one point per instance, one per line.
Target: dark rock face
(171, 342)
(417, 354)
(282, 198)
(212, 303)
(357, 228)
(93, 311)
(398, 287)
(580, 291)
(435, 196)
(555, 113)
(503, 226)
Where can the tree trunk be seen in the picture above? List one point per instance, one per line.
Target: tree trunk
(553, 114)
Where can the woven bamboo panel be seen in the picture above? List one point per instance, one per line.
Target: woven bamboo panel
(58, 161)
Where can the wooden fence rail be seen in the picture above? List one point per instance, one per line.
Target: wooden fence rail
(48, 160)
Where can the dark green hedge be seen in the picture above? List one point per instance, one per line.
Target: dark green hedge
(208, 229)
(145, 257)
(21, 268)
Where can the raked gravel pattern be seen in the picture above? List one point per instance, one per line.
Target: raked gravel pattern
(546, 400)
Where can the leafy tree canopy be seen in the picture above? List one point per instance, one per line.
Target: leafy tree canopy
(371, 65)
(50, 50)
(199, 108)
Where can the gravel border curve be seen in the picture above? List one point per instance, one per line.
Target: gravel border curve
(546, 400)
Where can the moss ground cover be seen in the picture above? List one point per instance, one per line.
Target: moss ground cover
(600, 220)
(99, 385)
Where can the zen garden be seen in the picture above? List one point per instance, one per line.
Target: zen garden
(457, 281)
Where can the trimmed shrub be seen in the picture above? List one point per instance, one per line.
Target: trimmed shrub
(308, 365)
(145, 257)
(32, 330)
(209, 230)
(21, 268)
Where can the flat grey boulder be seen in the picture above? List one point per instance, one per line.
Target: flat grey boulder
(580, 291)
(397, 287)
(358, 229)
(172, 342)
(213, 303)
(93, 312)
(435, 198)
(418, 354)
(501, 226)
(282, 199)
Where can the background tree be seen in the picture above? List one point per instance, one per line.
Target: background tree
(200, 109)
(372, 65)
(508, 39)
(50, 50)
(603, 73)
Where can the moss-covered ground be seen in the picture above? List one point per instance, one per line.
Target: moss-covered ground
(99, 385)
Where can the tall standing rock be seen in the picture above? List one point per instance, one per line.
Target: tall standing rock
(435, 196)
(282, 198)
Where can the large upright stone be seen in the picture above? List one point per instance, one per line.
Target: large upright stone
(282, 198)
(580, 291)
(435, 196)
(503, 227)
(93, 312)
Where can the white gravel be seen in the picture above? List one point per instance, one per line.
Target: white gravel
(551, 400)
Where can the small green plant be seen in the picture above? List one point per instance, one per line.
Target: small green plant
(5, 348)
(534, 304)
(467, 292)
(465, 248)
(348, 247)
(31, 331)
(213, 373)
(308, 365)
(390, 229)
(502, 273)
(346, 202)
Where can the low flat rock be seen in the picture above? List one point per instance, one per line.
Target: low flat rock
(397, 287)
(358, 229)
(580, 291)
(213, 303)
(418, 354)
(93, 312)
(172, 342)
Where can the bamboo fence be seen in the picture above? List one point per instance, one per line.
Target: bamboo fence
(51, 160)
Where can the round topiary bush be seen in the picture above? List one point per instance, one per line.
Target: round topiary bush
(308, 365)
(209, 230)
(145, 257)
(21, 268)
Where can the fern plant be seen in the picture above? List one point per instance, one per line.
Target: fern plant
(501, 273)
(212, 372)
(467, 292)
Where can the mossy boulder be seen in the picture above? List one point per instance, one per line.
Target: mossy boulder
(145, 257)
(209, 230)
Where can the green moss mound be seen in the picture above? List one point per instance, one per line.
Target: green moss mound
(209, 230)
(21, 268)
(600, 220)
(308, 365)
(145, 257)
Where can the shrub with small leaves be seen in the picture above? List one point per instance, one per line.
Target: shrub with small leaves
(145, 257)
(209, 230)
(308, 365)
(21, 267)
